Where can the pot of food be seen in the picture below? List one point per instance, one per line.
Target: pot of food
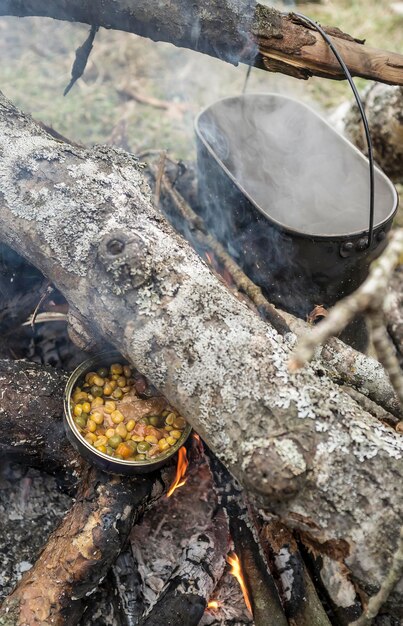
(288, 196)
(116, 421)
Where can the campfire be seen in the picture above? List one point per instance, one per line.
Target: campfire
(189, 435)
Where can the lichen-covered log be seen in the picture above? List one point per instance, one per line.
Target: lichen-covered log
(31, 412)
(84, 217)
(81, 550)
(384, 110)
(232, 30)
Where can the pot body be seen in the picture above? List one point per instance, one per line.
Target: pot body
(295, 269)
(93, 456)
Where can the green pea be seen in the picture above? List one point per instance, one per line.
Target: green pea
(143, 446)
(85, 416)
(103, 372)
(132, 445)
(109, 450)
(114, 441)
(156, 420)
(81, 421)
(96, 391)
(145, 421)
(140, 457)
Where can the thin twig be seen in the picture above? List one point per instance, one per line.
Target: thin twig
(378, 600)
(158, 178)
(368, 297)
(46, 316)
(42, 299)
(385, 351)
(242, 281)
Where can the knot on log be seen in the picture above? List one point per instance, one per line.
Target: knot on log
(280, 470)
(125, 259)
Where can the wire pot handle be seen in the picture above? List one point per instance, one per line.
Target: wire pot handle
(346, 71)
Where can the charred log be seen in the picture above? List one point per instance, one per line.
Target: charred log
(81, 550)
(233, 31)
(296, 440)
(184, 597)
(32, 430)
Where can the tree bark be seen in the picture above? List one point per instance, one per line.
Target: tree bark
(31, 413)
(235, 31)
(84, 217)
(384, 110)
(80, 551)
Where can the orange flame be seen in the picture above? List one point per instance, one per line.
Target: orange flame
(180, 471)
(236, 571)
(213, 604)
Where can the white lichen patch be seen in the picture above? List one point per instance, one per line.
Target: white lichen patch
(289, 453)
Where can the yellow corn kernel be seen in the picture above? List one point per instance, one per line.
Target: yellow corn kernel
(113, 384)
(101, 441)
(107, 389)
(110, 406)
(151, 439)
(176, 434)
(97, 417)
(130, 425)
(110, 432)
(117, 417)
(81, 395)
(179, 422)
(171, 441)
(78, 409)
(127, 371)
(121, 381)
(163, 444)
(98, 381)
(91, 426)
(86, 406)
(116, 368)
(137, 438)
(101, 448)
(121, 430)
(96, 403)
(170, 419)
(90, 437)
(168, 428)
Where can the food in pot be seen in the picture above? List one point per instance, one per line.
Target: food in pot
(111, 415)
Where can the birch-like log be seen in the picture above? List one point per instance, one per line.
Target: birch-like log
(85, 218)
(231, 30)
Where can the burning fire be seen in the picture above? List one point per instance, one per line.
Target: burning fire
(236, 571)
(180, 471)
(213, 604)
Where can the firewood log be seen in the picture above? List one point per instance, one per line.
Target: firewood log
(81, 550)
(240, 31)
(305, 447)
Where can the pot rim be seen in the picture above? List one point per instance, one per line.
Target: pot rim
(79, 371)
(269, 218)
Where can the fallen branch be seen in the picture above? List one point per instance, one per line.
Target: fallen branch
(368, 297)
(81, 550)
(394, 575)
(301, 602)
(297, 441)
(263, 598)
(184, 597)
(236, 32)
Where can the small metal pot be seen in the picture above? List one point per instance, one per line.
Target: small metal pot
(103, 461)
(288, 196)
